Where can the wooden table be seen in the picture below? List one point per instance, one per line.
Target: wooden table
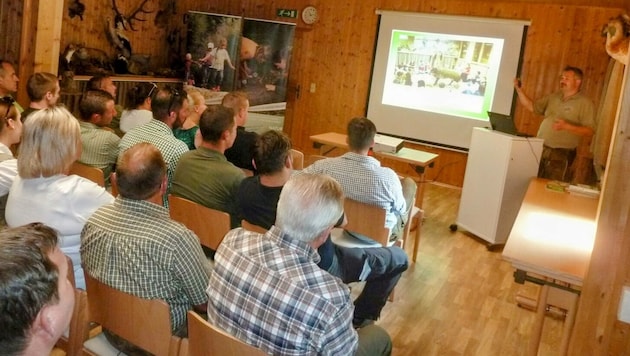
(419, 160)
(550, 244)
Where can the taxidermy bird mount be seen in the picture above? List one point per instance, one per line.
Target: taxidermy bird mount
(617, 32)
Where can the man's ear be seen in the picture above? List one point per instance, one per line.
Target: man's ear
(44, 326)
(288, 162)
(254, 164)
(164, 184)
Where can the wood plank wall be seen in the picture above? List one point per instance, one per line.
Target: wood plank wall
(336, 55)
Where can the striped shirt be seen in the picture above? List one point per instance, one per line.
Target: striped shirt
(268, 291)
(363, 179)
(100, 147)
(161, 136)
(135, 247)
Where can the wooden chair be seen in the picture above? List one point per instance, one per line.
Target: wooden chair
(298, 159)
(209, 225)
(251, 227)
(92, 173)
(144, 322)
(313, 158)
(206, 339)
(71, 342)
(365, 219)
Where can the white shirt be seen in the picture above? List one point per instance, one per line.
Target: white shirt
(133, 118)
(8, 171)
(61, 202)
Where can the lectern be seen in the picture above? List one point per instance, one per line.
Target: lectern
(498, 172)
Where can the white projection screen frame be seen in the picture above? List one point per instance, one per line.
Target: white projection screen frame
(435, 76)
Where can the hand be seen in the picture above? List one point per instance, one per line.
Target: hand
(559, 125)
(517, 83)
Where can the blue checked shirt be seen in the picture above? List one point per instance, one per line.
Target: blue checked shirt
(363, 179)
(268, 291)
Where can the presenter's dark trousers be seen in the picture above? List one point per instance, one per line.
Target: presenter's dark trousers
(379, 267)
(555, 163)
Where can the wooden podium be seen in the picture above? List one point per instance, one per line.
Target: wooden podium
(498, 172)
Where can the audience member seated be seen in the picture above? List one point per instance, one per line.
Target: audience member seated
(364, 179)
(106, 82)
(36, 297)
(261, 282)
(10, 132)
(44, 192)
(43, 90)
(138, 110)
(204, 175)
(100, 144)
(186, 133)
(257, 199)
(169, 113)
(8, 82)
(134, 246)
(241, 153)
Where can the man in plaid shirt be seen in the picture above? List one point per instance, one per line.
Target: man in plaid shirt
(268, 291)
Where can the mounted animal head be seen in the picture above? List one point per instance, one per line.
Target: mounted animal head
(617, 33)
(126, 22)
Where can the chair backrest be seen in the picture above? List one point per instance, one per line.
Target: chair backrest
(145, 323)
(206, 339)
(298, 159)
(252, 227)
(209, 225)
(313, 158)
(72, 342)
(92, 173)
(366, 219)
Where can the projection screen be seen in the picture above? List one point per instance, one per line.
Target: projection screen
(435, 77)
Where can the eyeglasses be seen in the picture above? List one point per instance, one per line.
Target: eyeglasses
(152, 90)
(174, 94)
(9, 101)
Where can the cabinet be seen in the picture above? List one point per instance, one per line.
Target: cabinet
(498, 172)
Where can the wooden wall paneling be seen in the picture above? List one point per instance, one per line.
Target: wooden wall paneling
(47, 40)
(596, 328)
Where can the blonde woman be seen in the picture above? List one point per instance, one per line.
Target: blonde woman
(44, 192)
(186, 133)
(10, 127)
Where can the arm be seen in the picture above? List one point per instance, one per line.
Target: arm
(561, 124)
(522, 97)
(8, 171)
(339, 338)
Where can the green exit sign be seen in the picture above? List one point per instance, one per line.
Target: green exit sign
(292, 13)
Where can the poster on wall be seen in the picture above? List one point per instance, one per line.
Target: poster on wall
(226, 53)
(264, 61)
(212, 51)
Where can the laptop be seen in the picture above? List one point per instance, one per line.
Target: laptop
(505, 124)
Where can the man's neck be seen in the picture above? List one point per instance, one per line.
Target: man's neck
(275, 180)
(216, 146)
(567, 94)
(361, 152)
(38, 105)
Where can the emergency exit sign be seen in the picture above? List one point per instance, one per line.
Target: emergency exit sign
(291, 13)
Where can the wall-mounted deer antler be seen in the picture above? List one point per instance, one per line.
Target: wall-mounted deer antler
(127, 21)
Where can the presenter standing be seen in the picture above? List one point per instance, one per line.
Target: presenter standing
(568, 116)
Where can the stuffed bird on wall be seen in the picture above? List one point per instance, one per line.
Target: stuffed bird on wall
(617, 32)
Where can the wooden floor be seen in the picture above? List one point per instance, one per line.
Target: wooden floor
(459, 298)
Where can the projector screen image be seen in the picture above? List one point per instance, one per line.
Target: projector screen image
(435, 77)
(441, 73)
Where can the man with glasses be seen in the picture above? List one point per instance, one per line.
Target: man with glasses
(8, 81)
(569, 116)
(169, 112)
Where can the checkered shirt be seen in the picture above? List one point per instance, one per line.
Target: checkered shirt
(135, 247)
(100, 147)
(161, 136)
(363, 179)
(268, 291)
